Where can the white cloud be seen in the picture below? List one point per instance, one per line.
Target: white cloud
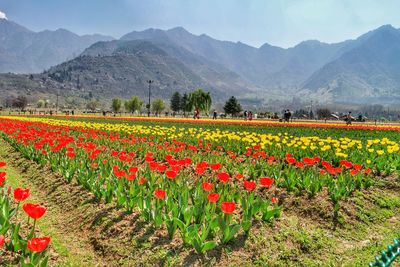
(2, 15)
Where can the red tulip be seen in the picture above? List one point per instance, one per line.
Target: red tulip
(133, 169)
(223, 177)
(202, 165)
(142, 180)
(215, 166)
(119, 173)
(161, 167)
(160, 194)
(176, 168)
(338, 170)
(130, 177)
(207, 186)
(309, 161)
(239, 176)
(357, 167)
(353, 172)
(228, 207)
(2, 180)
(153, 165)
(266, 181)
(321, 171)
(188, 160)
(70, 154)
(325, 164)
(2, 240)
(21, 194)
(367, 171)
(38, 244)
(171, 174)
(299, 164)
(200, 171)
(274, 200)
(35, 211)
(213, 197)
(317, 159)
(2, 164)
(249, 185)
(346, 163)
(291, 160)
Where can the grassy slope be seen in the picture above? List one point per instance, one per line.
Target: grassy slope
(86, 233)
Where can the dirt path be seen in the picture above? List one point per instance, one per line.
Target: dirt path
(70, 246)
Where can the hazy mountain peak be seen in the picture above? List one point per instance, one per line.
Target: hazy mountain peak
(11, 27)
(386, 27)
(268, 46)
(23, 50)
(310, 43)
(179, 29)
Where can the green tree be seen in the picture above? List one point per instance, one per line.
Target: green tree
(184, 104)
(200, 100)
(176, 102)
(158, 106)
(116, 104)
(232, 106)
(133, 104)
(41, 103)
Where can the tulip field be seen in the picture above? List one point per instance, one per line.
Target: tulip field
(204, 184)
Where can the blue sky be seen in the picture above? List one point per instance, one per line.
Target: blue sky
(277, 22)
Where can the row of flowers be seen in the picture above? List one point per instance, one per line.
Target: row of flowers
(260, 122)
(202, 189)
(362, 147)
(18, 243)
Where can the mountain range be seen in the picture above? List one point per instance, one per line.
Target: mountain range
(26, 51)
(364, 70)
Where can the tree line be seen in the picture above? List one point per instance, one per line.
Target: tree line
(198, 101)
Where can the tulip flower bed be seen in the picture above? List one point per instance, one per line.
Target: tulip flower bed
(20, 246)
(205, 185)
(261, 122)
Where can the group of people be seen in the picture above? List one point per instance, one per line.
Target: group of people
(248, 115)
(287, 115)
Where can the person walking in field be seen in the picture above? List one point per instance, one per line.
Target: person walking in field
(196, 114)
(286, 115)
(245, 115)
(214, 115)
(348, 118)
